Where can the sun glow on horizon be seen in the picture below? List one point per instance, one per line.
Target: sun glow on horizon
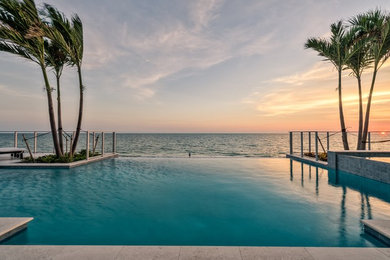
(199, 66)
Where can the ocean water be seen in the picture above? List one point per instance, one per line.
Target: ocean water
(201, 145)
(193, 201)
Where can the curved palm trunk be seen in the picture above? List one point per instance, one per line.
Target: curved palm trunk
(368, 108)
(342, 121)
(359, 142)
(80, 118)
(59, 114)
(51, 114)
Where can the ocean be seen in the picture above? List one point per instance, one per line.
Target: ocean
(199, 145)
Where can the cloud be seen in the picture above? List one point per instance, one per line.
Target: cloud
(152, 48)
(288, 101)
(319, 72)
(4, 90)
(310, 91)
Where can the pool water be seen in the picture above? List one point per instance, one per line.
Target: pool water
(224, 201)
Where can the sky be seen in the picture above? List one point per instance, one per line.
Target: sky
(198, 66)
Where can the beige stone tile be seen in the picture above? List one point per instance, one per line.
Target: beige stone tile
(29, 252)
(206, 252)
(149, 252)
(249, 253)
(345, 253)
(88, 252)
(10, 226)
(385, 251)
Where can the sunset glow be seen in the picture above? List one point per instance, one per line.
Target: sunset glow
(204, 66)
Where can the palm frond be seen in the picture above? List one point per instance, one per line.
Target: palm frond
(17, 50)
(20, 27)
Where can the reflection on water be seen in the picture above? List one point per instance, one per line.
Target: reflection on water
(356, 195)
(197, 201)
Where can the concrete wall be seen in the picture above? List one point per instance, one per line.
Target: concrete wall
(354, 162)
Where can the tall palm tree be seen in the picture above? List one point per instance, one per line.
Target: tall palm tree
(375, 27)
(21, 34)
(56, 58)
(359, 61)
(69, 35)
(335, 51)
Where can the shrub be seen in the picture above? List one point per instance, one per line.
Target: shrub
(52, 158)
(321, 156)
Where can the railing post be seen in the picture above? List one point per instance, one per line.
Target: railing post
(369, 140)
(291, 143)
(301, 144)
(15, 139)
(102, 144)
(327, 141)
(35, 141)
(113, 142)
(316, 136)
(87, 146)
(309, 142)
(93, 141)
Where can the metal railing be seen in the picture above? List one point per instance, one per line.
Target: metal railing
(326, 135)
(9, 138)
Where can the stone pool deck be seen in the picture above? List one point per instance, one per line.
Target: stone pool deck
(378, 228)
(11, 226)
(189, 252)
(16, 164)
(309, 160)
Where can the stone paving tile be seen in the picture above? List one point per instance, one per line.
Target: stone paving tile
(29, 252)
(285, 253)
(149, 252)
(207, 252)
(88, 252)
(385, 251)
(9, 224)
(175, 252)
(380, 225)
(345, 253)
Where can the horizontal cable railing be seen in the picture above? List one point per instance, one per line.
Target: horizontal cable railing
(316, 142)
(41, 142)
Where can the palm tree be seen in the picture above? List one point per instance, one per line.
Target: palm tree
(21, 34)
(69, 35)
(359, 61)
(335, 51)
(375, 27)
(56, 58)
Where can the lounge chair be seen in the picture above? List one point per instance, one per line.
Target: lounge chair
(15, 152)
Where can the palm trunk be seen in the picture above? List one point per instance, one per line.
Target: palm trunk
(359, 142)
(59, 114)
(80, 118)
(368, 108)
(342, 122)
(51, 113)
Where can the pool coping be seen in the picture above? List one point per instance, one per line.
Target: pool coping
(189, 252)
(12, 226)
(58, 165)
(309, 160)
(378, 228)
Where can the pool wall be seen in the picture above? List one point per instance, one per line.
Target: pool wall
(355, 162)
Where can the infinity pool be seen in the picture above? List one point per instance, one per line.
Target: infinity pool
(224, 201)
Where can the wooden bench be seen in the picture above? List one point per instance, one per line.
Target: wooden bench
(15, 152)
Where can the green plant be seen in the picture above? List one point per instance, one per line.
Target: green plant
(21, 34)
(68, 35)
(321, 156)
(373, 26)
(336, 51)
(66, 158)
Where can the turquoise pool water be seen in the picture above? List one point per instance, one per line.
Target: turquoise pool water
(241, 201)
